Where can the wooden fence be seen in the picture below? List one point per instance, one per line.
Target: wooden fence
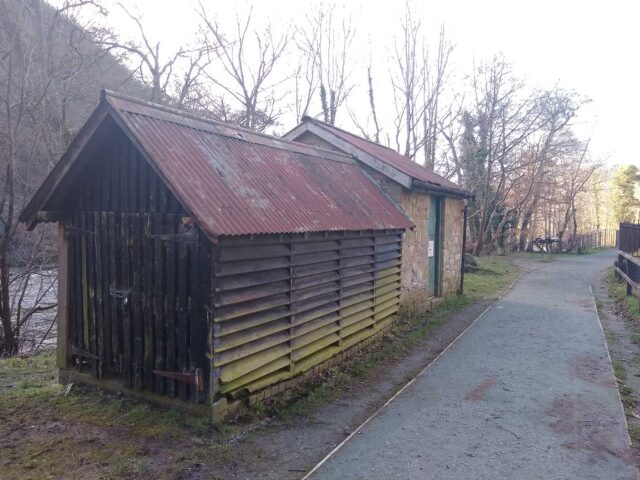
(629, 238)
(600, 238)
(628, 263)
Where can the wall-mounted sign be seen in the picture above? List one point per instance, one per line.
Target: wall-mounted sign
(431, 247)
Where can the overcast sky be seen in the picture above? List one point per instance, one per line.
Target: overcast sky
(587, 46)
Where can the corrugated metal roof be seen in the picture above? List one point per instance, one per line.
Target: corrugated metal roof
(237, 182)
(391, 157)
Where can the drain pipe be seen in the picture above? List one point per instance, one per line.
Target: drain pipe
(464, 243)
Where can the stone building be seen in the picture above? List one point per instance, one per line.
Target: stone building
(432, 252)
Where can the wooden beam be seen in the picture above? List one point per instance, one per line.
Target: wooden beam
(628, 280)
(631, 258)
(63, 295)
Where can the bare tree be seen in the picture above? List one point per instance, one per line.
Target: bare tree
(408, 84)
(33, 77)
(243, 65)
(327, 40)
(174, 78)
(434, 78)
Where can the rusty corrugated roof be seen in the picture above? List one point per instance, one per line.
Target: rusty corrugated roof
(237, 182)
(392, 158)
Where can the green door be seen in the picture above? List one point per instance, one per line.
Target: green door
(433, 230)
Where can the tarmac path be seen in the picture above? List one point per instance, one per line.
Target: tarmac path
(528, 392)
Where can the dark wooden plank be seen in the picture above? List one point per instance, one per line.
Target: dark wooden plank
(182, 339)
(91, 285)
(113, 287)
(78, 283)
(123, 197)
(137, 318)
(98, 293)
(63, 299)
(158, 296)
(132, 167)
(71, 287)
(144, 171)
(106, 297)
(126, 285)
(153, 191)
(85, 285)
(147, 304)
(170, 303)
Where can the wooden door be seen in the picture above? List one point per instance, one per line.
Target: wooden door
(433, 253)
(136, 308)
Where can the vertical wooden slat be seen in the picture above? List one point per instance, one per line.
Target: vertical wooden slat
(79, 284)
(63, 298)
(182, 339)
(170, 304)
(147, 304)
(196, 320)
(72, 309)
(91, 285)
(126, 285)
(106, 298)
(134, 187)
(99, 331)
(143, 184)
(137, 319)
(158, 293)
(113, 287)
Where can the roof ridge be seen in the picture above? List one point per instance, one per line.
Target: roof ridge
(274, 142)
(328, 125)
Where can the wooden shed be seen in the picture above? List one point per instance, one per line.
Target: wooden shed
(432, 252)
(204, 263)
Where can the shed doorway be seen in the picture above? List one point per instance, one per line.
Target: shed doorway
(433, 231)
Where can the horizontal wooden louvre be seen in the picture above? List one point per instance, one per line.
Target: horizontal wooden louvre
(283, 304)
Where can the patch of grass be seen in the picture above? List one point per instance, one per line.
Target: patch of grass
(495, 274)
(634, 432)
(129, 468)
(619, 371)
(618, 292)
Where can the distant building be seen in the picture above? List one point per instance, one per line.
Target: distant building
(432, 252)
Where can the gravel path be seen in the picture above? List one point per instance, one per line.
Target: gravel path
(527, 393)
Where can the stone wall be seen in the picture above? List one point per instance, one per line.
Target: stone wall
(453, 223)
(414, 296)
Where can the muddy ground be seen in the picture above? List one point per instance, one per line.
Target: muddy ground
(91, 434)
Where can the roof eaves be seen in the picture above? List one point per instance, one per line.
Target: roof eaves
(432, 187)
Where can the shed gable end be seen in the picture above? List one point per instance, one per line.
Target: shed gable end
(117, 178)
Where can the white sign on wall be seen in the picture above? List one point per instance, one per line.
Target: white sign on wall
(431, 247)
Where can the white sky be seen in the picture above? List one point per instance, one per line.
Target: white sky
(591, 47)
